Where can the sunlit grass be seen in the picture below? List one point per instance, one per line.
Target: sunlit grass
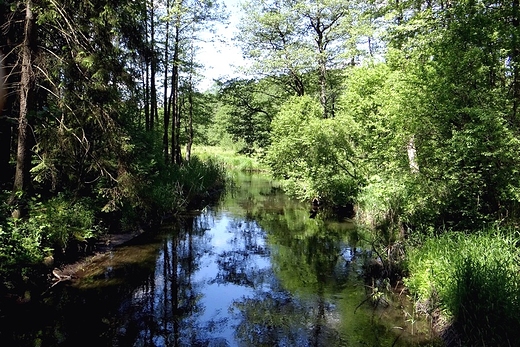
(229, 158)
(474, 279)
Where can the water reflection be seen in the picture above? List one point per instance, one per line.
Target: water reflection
(254, 271)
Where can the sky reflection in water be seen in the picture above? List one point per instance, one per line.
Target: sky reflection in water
(252, 271)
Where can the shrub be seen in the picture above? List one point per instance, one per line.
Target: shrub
(52, 226)
(311, 155)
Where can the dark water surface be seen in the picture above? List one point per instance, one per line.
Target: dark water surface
(255, 270)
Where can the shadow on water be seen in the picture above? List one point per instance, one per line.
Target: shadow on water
(255, 270)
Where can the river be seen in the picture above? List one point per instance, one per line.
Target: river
(253, 270)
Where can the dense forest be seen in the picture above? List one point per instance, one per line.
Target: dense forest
(91, 131)
(406, 110)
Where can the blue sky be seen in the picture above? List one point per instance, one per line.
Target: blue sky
(221, 58)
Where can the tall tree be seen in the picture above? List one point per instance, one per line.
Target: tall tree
(250, 106)
(174, 96)
(190, 107)
(154, 115)
(166, 104)
(300, 39)
(455, 98)
(72, 69)
(186, 18)
(329, 21)
(269, 35)
(22, 177)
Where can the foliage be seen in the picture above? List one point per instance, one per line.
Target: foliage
(167, 189)
(21, 244)
(55, 225)
(200, 179)
(65, 220)
(247, 109)
(301, 44)
(313, 156)
(474, 279)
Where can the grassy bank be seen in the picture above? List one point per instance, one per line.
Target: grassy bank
(473, 281)
(230, 158)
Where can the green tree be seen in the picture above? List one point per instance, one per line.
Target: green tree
(296, 40)
(436, 136)
(250, 107)
(186, 19)
(314, 157)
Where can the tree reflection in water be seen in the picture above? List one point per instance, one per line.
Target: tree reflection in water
(257, 272)
(167, 310)
(246, 275)
(254, 271)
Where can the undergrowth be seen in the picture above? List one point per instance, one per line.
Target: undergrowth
(64, 226)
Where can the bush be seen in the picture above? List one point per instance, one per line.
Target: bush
(52, 226)
(200, 179)
(66, 220)
(183, 186)
(314, 157)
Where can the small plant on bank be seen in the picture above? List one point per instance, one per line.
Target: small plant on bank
(52, 229)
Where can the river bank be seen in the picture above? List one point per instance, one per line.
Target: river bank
(59, 233)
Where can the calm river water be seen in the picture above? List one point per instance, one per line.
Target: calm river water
(254, 270)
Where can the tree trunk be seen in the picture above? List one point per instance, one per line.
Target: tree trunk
(2, 83)
(153, 91)
(190, 120)
(146, 76)
(178, 154)
(147, 95)
(412, 155)
(298, 86)
(5, 127)
(166, 104)
(515, 58)
(174, 107)
(323, 85)
(322, 66)
(23, 156)
(173, 104)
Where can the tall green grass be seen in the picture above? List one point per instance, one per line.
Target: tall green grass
(180, 187)
(229, 158)
(475, 280)
(200, 179)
